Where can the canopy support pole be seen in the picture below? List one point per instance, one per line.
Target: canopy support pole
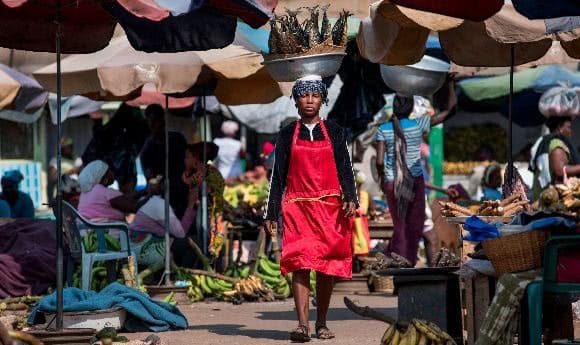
(204, 202)
(510, 176)
(59, 240)
(167, 273)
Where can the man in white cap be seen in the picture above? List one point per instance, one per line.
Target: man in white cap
(228, 159)
(313, 187)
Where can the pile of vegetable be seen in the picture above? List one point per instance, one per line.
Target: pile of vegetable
(508, 207)
(562, 198)
(290, 37)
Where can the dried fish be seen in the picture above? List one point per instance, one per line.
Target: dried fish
(340, 29)
(284, 46)
(306, 28)
(325, 28)
(275, 35)
(313, 36)
(294, 25)
(315, 29)
(288, 36)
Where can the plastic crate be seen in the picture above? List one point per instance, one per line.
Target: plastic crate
(32, 183)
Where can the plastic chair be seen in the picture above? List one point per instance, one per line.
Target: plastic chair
(535, 290)
(73, 238)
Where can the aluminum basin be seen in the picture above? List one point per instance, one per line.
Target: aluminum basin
(423, 78)
(290, 69)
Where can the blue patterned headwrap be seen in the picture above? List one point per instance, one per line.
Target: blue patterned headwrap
(310, 84)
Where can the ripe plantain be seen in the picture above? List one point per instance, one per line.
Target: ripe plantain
(410, 337)
(424, 328)
(388, 335)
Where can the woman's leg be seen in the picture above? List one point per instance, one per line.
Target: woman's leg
(324, 285)
(415, 221)
(301, 292)
(397, 244)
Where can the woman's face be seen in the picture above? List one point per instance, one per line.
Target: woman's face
(191, 161)
(108, 179)
(309, 104)
(566, 129)
(495, 179)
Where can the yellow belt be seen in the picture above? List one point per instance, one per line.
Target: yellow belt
(316, 199)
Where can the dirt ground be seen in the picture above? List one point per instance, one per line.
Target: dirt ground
(269, 323)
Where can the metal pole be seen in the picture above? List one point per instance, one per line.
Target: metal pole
(204, 203)
(510, 124)
(167, 272)
(59, 244)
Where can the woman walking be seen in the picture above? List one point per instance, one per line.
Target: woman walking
(401, 173)
(313, 187)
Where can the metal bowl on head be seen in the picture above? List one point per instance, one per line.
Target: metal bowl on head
(293, 68)
(422, 79)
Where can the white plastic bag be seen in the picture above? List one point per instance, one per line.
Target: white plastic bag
(561, 100)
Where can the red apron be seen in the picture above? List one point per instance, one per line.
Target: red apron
(316, 234)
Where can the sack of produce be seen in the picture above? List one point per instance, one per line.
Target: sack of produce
(561, 100)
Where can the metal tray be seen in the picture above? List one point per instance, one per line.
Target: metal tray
(293, 68)
(417, 271)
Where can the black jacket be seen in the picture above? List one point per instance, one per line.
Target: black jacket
(282, 156)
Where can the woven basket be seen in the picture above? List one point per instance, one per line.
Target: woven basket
(518, 252)
(383, 284)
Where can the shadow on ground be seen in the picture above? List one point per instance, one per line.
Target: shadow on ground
(239, 330)
(334, 314)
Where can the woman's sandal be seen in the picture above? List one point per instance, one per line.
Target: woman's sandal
(323, 333)
(301, 334)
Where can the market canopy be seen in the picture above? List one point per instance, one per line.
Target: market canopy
(234, 74)
(396, 35)
(491, 94)
(20, 95)
(194, 29)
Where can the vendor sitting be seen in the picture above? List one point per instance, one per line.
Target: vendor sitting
(491, 183)
(20, 203)
(100, 203)
(148, 226)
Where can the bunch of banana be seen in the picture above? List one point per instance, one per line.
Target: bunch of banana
(238, 271)
(201, 286)
(98, 277)
(91, 245)
(252, 289)
(170, 298)
(418, 332)
(270, 273)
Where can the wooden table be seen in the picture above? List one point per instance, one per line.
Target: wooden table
(381, 230)
(487, 219)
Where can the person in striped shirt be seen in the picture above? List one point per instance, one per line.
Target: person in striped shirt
(400, 171)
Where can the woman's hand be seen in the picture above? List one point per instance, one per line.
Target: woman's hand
(349, 208)
(271, 227)
(452, 194)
